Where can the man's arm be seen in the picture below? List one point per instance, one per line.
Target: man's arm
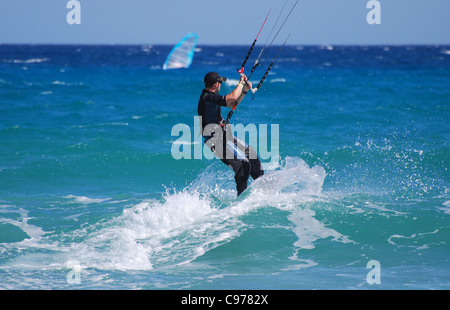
(247, 87)
(237, 94)
(243, 91)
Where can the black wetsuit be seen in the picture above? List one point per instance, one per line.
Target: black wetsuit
(244, 165)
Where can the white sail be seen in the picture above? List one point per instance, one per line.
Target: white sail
(182, 54)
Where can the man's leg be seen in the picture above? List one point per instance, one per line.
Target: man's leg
(256, 170)
(231, 154)
(242, 172)
(255, 164)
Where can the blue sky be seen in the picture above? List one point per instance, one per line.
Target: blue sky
(223, 22)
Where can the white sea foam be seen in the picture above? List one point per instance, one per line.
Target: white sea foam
(234, 82)
(177, 142)
(58, 83)
(85, 200)
(446, 208)
(26, 61)
(231, 82)
(308, 229)
(292, 186)
(184, 225)
(187, 224)
(169, 232)
(279, 80)
(418, 238)
(34, 232)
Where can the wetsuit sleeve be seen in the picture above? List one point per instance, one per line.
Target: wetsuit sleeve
(216, 99)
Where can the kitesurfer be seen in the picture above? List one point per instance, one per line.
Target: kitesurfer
(217, 134)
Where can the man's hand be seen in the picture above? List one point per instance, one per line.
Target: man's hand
(248, 86)
(243, 79)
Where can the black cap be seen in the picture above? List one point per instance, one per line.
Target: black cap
(213, 77)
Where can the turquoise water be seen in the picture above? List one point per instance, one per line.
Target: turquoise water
(91, 196)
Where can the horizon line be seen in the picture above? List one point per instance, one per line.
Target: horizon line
(227, 44)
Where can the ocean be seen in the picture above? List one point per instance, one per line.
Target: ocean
(357, 196)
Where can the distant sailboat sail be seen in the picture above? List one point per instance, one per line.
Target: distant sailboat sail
(182, 54)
